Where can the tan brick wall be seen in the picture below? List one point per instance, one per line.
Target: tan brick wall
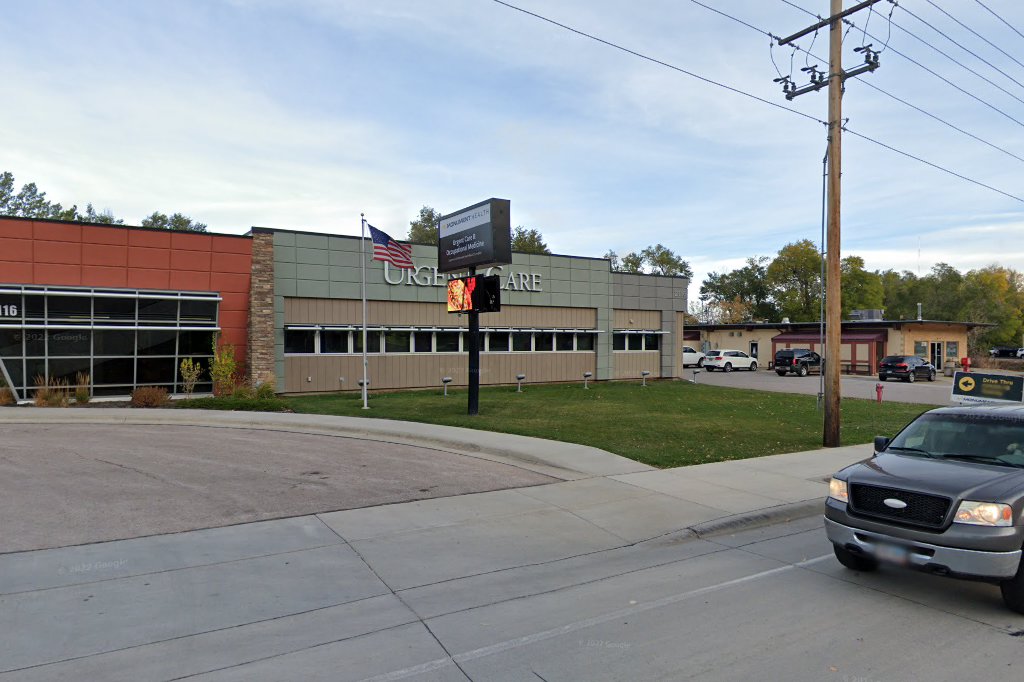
(261, 309)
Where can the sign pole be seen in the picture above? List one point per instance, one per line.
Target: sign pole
(474, 357)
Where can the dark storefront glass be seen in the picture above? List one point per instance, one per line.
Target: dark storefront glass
(113, 371)
(69, 343)
(522, 341)
(396, 342)
(117, 310)
(150, 371)
(584, 342)
(113, 342)
(372, 341)
(195, 343)
(447, 342)
(422, 342)
(334, 341)
(77, 308)
(198, 312)
(157, 341)
(563, 342)
(299, 341)
(35, 343)
(11, 343)
(158, 310)
(498, 342)
(35, 307)
(16, 369)
(67, 369)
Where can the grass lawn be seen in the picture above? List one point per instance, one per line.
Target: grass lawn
(667, 424)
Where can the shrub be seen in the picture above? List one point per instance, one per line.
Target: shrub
(223, 367)
(6, 397)
(82, 381)
(41, 398)
(190, 372)
(149, 396)
(243, 392)
(266, 390)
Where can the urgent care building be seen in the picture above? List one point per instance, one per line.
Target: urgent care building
(125, 305)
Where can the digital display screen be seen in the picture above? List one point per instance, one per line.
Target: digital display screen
(480, 294)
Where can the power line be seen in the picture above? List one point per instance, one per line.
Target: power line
(968, 28)
(874, 87)
(746, 94)
(1000, 18)
(922, 66)
(962, 47)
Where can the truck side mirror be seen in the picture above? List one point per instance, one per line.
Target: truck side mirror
(880, 443)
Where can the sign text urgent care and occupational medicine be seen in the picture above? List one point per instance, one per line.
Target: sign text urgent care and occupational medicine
(479, 235)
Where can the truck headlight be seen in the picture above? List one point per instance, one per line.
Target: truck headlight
(837, 490)
(984, 514)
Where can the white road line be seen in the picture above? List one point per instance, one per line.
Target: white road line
(507, 645)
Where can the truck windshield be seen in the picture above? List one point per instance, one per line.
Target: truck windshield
(970, 437)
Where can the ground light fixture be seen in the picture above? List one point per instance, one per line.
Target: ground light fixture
(519, 382)
(445, 381)
(643, 380)
(695, 373)
(586, 376)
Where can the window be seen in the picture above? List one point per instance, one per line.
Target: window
(158, 341)
(158, 310)
(952, 349)
(193, 312)
(497, 342)
(299, 341)
(116, 310)
(422, 342)
(543, 341)
(334, 341)
(396, 342)
(447, 342)
(522, 341)
(69, 308)
(372, 341)
(67, 343)
(195, 343)
(921, 348)
(11, 343)
(634, 342)
(651, 342)
(564, 341)
(585, 342)
(619, 341)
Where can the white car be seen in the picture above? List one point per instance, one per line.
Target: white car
(692, 357)
(728, 360)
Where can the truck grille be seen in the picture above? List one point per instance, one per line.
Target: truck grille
(921, 509)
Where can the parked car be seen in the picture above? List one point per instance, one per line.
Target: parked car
(1005, 352)
(799, 361)
(728, 360)
(906, 367)
(692, 358)
(944, 496)
(1020, 352)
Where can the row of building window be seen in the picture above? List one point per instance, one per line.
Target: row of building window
(73, 308)
(345, 341)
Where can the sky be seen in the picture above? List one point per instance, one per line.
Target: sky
(302, 114)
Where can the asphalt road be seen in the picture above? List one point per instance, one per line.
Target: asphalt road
(765, 604)
(67, 484)
(925, 392)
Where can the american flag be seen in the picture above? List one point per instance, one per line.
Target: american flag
(388, 250)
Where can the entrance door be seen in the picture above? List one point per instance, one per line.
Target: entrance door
(753, 349)
(936, 354)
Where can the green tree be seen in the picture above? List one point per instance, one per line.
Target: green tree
(424, 229)
(613, 260)
(795, 276)
(664, 261)
(749, 284)
(177, 222)
(862, 290)
(29, 202)
(528, 241)
(632, 262)
(996, 295)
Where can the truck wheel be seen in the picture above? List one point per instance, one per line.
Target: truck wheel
(802, 371)
(782, 373)
(855, 562)
(1013, 591)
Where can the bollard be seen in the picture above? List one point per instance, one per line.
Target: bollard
(878, 392)
(586, 376)
(445, 381)
(519, 382)
(695, 373)
(644, 374)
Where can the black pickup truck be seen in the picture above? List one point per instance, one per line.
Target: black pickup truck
(944, 496)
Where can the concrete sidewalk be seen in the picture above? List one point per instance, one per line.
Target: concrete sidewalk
(349, 594)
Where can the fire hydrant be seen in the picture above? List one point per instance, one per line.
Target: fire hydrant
(878, 391)
(966, 364)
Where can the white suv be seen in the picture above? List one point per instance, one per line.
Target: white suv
(692, 357)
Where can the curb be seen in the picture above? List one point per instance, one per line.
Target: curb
(758, 518)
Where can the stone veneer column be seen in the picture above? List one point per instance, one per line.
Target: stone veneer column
(261, 310)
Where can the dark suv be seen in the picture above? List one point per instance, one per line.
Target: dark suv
(799, 361)
(906, 367)
(945, 496)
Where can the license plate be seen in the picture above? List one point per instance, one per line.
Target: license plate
(892, 554)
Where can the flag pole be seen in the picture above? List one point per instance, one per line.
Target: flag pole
(362, 248)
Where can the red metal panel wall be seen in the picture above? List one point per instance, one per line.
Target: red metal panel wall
(73, 254)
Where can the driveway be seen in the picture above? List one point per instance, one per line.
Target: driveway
(69, 484)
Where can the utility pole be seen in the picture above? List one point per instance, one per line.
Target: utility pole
(833, 294)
